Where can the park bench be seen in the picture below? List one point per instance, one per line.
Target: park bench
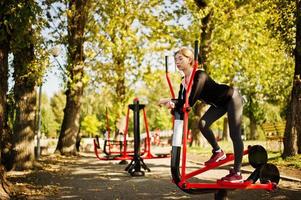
(274, 133)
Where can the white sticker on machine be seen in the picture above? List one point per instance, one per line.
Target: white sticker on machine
(177, 133)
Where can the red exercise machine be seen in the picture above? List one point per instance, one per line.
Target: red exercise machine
(267, 173)
(124, 153)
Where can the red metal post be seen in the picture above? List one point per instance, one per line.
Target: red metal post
(108, 130)
(186, 105)
(125, 133)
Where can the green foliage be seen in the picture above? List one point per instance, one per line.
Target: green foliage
(57, 103)
(125, 41)
(244, 53)
(121, 37)
(282, 22)
(99, 102)
(21, 28)
(49, 125)
(126, 34)
(154, 88)
(90, 126)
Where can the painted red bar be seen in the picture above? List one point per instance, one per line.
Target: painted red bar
(123, 157)
(108, 130)
(125, 133)
(227, 185)
(230, 157)
(185, 124)
(147, 141)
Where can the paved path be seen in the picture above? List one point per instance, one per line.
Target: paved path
(88, 178)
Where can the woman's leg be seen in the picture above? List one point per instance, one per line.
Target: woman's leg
(211, 115)
(235, 108)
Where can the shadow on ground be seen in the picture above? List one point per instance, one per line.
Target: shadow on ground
(85, 177)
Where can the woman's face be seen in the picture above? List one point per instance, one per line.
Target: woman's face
(182, 62)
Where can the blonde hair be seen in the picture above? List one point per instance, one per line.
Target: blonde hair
(187, 52)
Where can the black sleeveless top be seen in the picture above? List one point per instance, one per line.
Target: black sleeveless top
(205, 89)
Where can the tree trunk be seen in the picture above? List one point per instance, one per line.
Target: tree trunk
(25, 97)
(4, 184)
(195, 132)
(197, 140)
(205, 37)
(291, 142)
(290, 136)
(297, 82)
(121, 87)
(70, 126)
(3, 89)
(25, 107)
(3, 84)
(6, 144)
(225, 130)
(6, 188)
(253, 134)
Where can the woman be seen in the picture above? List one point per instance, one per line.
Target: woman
(222, 98)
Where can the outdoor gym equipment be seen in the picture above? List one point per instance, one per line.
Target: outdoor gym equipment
(124, 153)
(109, 143)
(267, 173)
(168, 79)
(147, 154)
(134, 168)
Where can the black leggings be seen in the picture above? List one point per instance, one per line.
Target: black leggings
(234, 111)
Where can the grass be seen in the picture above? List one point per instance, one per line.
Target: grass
(293, 161)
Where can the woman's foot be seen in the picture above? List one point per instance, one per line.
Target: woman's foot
(233, 177)
(216, 156)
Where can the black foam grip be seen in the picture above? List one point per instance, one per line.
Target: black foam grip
(196, 49)
(166, 64)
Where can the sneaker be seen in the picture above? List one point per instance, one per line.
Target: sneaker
(216, 156)
(233, 177)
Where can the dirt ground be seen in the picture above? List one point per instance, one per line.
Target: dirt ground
(86, 177)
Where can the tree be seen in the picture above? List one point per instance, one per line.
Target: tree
(124, 36)
(28, 72)
(77, 16)
(98, 101)
(153, 89)
(90, 125)
(49, 126)
(202, 18)
(57, 103)
(292, 137)
(13, 30)
(4, 51)
(243, 53)
(285, 24)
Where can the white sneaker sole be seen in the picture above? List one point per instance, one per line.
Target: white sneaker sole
(221, 158)
(237, 181)
(217, 160)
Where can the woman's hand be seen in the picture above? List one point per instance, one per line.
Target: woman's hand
(167, 103)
